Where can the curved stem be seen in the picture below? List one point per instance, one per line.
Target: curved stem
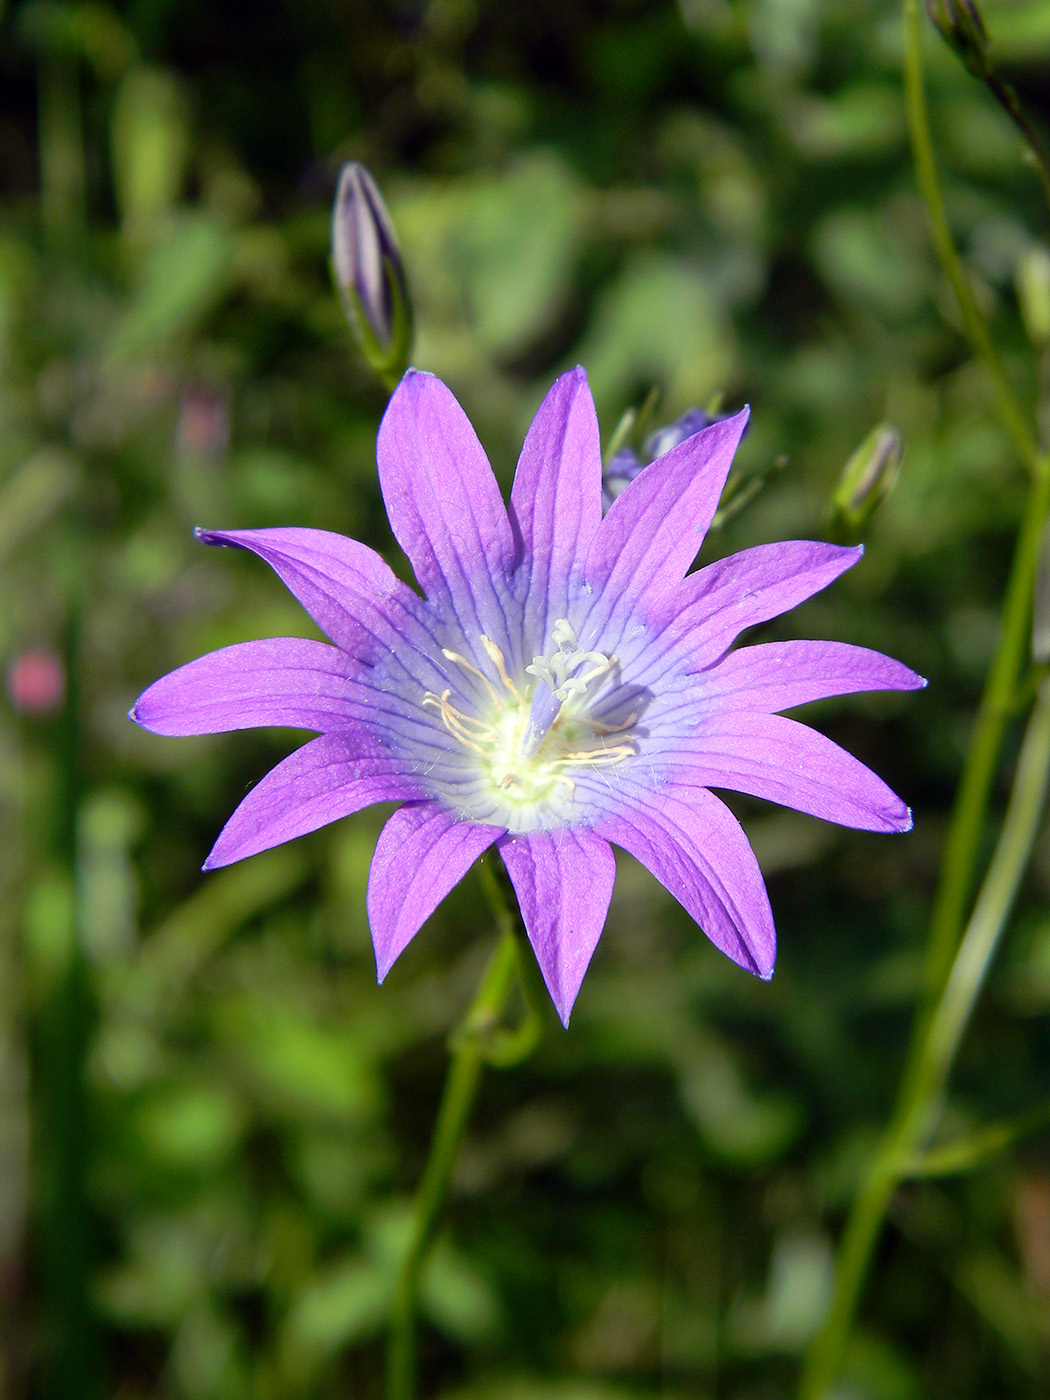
(1007, 99)
(477, 1041)
(1011, 414)
(998, 705)
(955, 969)
(924, 1083)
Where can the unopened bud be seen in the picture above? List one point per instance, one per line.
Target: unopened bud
(867, 479)
(1033, 295)
(663, 439)
(1041, 604)
(963, 28)
(369, 273)
(624, 464)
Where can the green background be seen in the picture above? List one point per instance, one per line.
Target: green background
(211, 1120)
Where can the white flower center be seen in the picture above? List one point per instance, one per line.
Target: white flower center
(529, 740)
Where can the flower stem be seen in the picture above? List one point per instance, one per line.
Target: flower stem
(480, 1039)
(934, 1051)
(1007, 99)
(957, 960)
(1011, 414)
(997, 707)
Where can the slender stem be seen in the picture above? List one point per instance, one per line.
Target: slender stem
(955, 969)
(1007, 99)
(962, 1154)
(998, 703)
(997, 707)
(924, 1086)
(1010, 412)
(476, 1042)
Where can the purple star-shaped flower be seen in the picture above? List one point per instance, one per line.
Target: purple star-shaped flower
(564, 684)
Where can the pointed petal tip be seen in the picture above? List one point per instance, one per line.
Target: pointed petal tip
(203, 536)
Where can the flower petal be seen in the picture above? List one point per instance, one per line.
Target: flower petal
(444, 504)
(563, 880)
(422, 852)
(347, 589)
(777, 675)
(714, 605)
(326, 779)
(656, 525)
(693, 844)
(283, 681)
(556, 501)
(784, 761)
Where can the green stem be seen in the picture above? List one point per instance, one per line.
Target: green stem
(924, 1084)
(963, 1154)
(1007, 99)
(1010, 412)
(999, 700)
(997, 707)
(478, 1041)
(955, 969)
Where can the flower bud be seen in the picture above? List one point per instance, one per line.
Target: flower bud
(663, 439)
(1041, 604)
(625, 464)
(867, 479)
(369, 273)
(963, 29)
(1033, 295)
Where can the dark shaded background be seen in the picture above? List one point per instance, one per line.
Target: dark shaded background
(211, 1120)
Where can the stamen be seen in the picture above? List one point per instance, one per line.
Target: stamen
(500, 662)
(460, 725)
(469, 666)
(530, 763)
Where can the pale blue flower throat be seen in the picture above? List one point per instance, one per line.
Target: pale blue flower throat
(528, 738)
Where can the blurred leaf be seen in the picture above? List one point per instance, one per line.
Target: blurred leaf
(346, 1304)
(150, 146)
(300, 1068)
(30, 498)
(183, 277)
(660, 323)
(190, 1127)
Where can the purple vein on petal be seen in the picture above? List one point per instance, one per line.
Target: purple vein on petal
(783, 761)
(444, 503)
(326, 779)
(695, 847)
(556, 500)
(563, 880)
(423, 851)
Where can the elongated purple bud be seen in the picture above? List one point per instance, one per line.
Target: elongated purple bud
(369, 271)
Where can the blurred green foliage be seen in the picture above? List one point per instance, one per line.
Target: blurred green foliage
(211, 1121)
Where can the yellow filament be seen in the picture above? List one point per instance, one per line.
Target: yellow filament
(458, 724)
(469, 666)
(499, 661)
